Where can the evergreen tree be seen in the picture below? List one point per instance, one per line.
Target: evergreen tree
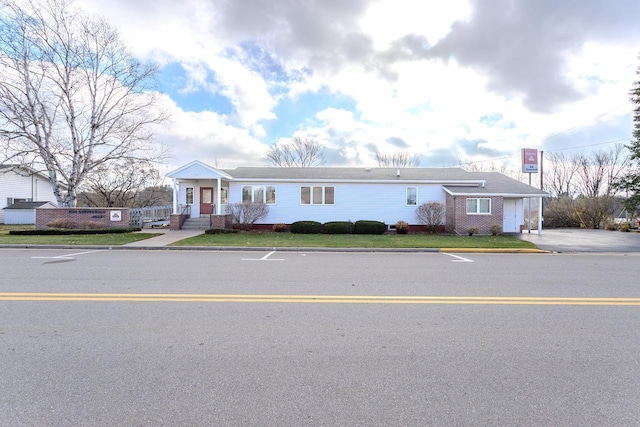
(631, 181)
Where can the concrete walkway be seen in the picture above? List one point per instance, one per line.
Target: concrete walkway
(164, 237)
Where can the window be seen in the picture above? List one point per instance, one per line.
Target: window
(412, 196)
(189, 195)
(317, 195)
(259, 194)
(477, 206)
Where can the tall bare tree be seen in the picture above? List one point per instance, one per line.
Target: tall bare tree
(297, 152)
(560, 173)
(398, 159)
(72, 98)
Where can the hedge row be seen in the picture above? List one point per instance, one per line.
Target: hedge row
(339, 227)
(66, 231)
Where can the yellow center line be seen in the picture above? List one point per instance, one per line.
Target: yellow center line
(344, 299)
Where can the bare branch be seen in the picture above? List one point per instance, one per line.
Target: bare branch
(298, 152)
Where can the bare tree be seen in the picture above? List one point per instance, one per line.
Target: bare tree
(599, 170)
(72, 98)
(124, 184)
(298, 152)
(560, 174)
(399, 159)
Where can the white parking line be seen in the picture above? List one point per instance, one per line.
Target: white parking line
(69, 256)
(264, 258)
(459, 258)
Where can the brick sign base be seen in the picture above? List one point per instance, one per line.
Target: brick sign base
(108, 217)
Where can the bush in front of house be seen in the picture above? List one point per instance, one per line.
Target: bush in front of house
(244, 215)
(369, 227)
(337, 227)
(65, 223)
(402, 227)
(472, 231)
(279, 227)
(431, 215)
(495, 229)
(305, 227)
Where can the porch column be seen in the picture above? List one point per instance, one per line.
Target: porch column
(218, 198)
(175, 196)
(540, 218)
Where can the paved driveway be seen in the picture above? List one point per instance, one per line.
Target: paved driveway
(582, 240)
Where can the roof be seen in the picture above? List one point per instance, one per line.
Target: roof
(352, 174)
(27, 171)
(197, 169)
(28, 205)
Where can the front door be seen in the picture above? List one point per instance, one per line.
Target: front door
(206, 201)
(510, 216)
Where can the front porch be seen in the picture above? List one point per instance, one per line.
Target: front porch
(200, 195)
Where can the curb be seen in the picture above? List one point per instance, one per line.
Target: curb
(278, 249)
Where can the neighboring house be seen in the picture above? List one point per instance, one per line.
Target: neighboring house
(472, 199)
(23, 184)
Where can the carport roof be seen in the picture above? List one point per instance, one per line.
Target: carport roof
(496, 184)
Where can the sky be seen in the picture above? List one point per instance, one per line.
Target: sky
(455, 82)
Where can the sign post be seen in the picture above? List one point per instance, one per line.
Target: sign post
(530, 165)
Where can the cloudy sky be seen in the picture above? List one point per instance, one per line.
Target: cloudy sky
(449, 81)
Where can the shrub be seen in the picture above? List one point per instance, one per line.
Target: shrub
(246, 214)
(279, 227)
(431, 214)
(90, 225)
(337, 227)
(66, 223)
(472, 230)
(369, 227)
(625, 226)
(495, 229)
(402, 227)
(305, 227)
(611, 226)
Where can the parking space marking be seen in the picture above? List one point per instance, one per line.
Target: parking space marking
(264, 258)
(459, 258)
(69, 256)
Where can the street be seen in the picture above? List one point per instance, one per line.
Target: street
(115, 337)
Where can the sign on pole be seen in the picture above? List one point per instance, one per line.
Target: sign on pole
(529, 160)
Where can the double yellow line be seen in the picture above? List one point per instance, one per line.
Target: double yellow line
(315, 299)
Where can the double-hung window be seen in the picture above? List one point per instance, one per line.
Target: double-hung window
(259, 194)
(412, 196)
(317, 195)
(478, 206)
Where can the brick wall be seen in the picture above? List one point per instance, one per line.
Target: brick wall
(457, 220)
(105, 216)
(176, 221)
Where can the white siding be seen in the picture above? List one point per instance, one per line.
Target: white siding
(20, 216)
(16, 186)
(353, 202)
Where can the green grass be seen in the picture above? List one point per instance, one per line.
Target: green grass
(115, 239)
(283, 240)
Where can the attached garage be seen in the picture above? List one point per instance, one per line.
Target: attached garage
(24, 212)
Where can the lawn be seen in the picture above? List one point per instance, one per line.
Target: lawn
(115, 239)
(282, 240)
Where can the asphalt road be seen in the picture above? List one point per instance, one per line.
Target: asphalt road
(259, 338)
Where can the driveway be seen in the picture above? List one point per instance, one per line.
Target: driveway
(583, 240)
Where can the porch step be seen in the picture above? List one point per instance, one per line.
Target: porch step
(202, 223)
